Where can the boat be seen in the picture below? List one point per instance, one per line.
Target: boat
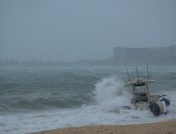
(142, 98)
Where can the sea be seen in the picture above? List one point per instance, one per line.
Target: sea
(35, 98)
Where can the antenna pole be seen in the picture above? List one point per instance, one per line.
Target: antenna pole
(128, 75)
(148, 77)
(137, 72)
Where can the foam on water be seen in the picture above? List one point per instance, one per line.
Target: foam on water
(110, 95)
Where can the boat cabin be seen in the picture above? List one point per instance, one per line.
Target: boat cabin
(140, 91)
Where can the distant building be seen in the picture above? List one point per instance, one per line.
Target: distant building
(151, 55)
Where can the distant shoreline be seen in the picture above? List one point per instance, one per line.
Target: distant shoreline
(36, 63)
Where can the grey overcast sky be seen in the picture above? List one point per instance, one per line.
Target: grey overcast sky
(66, 30)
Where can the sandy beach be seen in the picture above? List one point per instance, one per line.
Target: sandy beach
(165, 127)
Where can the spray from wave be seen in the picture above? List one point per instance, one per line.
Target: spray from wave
(111, 94)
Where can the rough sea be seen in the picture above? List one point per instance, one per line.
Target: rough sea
(40, 98)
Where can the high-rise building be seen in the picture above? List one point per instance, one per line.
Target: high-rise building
(151, 55)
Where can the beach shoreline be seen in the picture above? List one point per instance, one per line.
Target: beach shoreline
(163, 127)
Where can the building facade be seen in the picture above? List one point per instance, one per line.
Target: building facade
(152, 55)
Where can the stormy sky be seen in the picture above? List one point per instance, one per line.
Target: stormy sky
(68, 30)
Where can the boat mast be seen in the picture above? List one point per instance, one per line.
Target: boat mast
(137, 73)
(148, 77)
(128, 75)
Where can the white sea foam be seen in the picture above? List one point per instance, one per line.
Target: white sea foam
(110, 96)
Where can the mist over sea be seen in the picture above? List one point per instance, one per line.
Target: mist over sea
(40, 98)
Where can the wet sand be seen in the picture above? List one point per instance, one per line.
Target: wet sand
(165, 127)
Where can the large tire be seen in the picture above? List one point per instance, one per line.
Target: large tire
(155, 108)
